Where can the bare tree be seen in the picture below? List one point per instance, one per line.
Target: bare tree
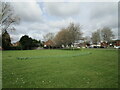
(7, 17)
(87, 39)
(74, 33)
(61, 38)
(48, 36)
(104, 34)
(69, 35)
(95, 37)
(107, 34)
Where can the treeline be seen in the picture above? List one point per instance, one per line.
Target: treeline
(72, 34)
(66, 36)
(25, 43)
(105, 35)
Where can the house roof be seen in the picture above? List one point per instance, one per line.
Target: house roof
(16, 44)
(49, 43)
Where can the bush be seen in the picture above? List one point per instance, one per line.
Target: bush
(15, 48)
(70, 48)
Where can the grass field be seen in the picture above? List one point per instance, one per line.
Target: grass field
(0, 69)
(86, 68)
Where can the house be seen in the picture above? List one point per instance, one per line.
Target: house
(80, 43)
(104, 44)
(116, 42)
(16, 44)
(49, 44)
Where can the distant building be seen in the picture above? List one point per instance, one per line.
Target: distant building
(49, 44)
(104, 44)
(116, 42)
(80, 43)
(16, 44)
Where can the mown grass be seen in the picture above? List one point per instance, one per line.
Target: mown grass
(86, 68)
(0, 69)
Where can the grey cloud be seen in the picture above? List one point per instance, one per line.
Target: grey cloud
(104, 14)
(28, 11)
(62, 9)
(103, 9)
(34, 30)
(97, 16)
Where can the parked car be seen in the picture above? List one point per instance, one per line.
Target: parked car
(102, 47)
(117, 47)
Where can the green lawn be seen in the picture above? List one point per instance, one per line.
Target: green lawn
(0, 69)
(86, 68)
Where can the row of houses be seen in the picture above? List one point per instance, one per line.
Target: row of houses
(51, 44)
(116, 42)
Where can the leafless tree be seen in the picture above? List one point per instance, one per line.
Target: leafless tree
(48, 36)
(107, 34)
(104, 34)
(87, 39)
(95, 37)
(69, 35)
(61, 37)
(7, 17)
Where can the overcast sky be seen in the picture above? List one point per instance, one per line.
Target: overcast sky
(39, 18)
